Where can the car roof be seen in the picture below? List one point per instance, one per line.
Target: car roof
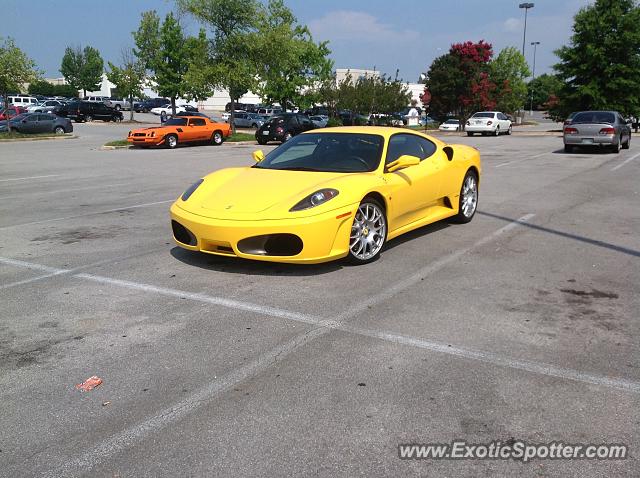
(385, 131)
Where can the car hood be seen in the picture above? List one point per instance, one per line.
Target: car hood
(256, 193)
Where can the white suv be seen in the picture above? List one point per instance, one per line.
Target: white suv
(488, 122)
(24, 101)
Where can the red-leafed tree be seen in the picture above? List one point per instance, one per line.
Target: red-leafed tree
(474, 63)
(460, 81)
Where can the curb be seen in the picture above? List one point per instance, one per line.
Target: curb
(38, 138)
(111, 148)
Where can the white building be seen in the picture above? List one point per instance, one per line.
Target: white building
(356, 74)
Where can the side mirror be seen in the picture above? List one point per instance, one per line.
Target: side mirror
(258, 155)
(402, 162)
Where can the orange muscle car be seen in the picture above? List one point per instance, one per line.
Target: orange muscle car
(181, 129)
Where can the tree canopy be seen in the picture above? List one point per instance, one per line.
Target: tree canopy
(509, 71)
(129, 77)
(16, 69)
(600, 67)
(82, 68)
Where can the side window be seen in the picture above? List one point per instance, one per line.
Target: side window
(32, 118)
(197, 122)
(411, 144)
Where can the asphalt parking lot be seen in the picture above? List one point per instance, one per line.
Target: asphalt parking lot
(522, 325)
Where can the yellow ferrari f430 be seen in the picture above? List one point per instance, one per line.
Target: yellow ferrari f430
(329, 194)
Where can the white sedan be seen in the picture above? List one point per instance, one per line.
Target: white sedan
(488, 122)
(167, 109)
(450, 125)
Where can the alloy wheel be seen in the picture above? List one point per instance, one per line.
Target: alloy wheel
(469, 196)
(368, 232)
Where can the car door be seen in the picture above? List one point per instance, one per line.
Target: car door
(29, 124)
(305, 123)
(417, 188)
(45, 123)
(198, 129)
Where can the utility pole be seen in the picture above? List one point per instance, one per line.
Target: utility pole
(526, 7)
(535, 48)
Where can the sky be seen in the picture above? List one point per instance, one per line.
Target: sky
(386, 34)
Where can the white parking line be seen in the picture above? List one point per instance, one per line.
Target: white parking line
(521, 159)
(428, 270)
(57, 191)
(136, 206)
(53, 272)
(209, 392)
(615, 168)
(30, 177)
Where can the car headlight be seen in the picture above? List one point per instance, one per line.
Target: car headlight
(315, 199)
(191, 189)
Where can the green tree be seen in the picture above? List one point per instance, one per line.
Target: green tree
(147, 39)
(16, 69)
(129, 77)
(508, 71)
(542, 88)
(171, 62)
(226, 61)
(447, 84)
(82, 69)
(600, 67)
(295, 65)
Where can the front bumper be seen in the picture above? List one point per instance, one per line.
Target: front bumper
(145, 140)
(594, 140)
(324, 237)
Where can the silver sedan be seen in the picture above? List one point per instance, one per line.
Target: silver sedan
(597, 128)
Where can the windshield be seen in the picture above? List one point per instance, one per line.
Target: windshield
(483, 115)
(594, 117)
(327, 152)
(176, 122)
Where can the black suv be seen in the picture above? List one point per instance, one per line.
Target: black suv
(283, 127)
(88, 111)
(146, 105)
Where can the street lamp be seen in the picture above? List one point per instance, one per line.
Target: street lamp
(533, 77)
(526, 7)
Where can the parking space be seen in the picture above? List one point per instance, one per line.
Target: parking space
(522, 323)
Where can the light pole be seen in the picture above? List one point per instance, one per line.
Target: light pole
(526, 7)
(533, 77)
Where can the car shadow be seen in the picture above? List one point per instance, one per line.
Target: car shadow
(417, 233)
(583, 150)
(236, 265)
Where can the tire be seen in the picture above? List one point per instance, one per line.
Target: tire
(510, 130)
(59, 130)
(88, 118)
(261, 141)
(287, 137)
(468, 200)
(118, 108)
(254, 126)
(368, 232)
(627, 145)
(497, 131)
(216, 138)
(469, 133)
(171, 141)
(568, 148)
(616, 147)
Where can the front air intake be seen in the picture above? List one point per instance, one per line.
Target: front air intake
(272, 245)
(182, 234)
